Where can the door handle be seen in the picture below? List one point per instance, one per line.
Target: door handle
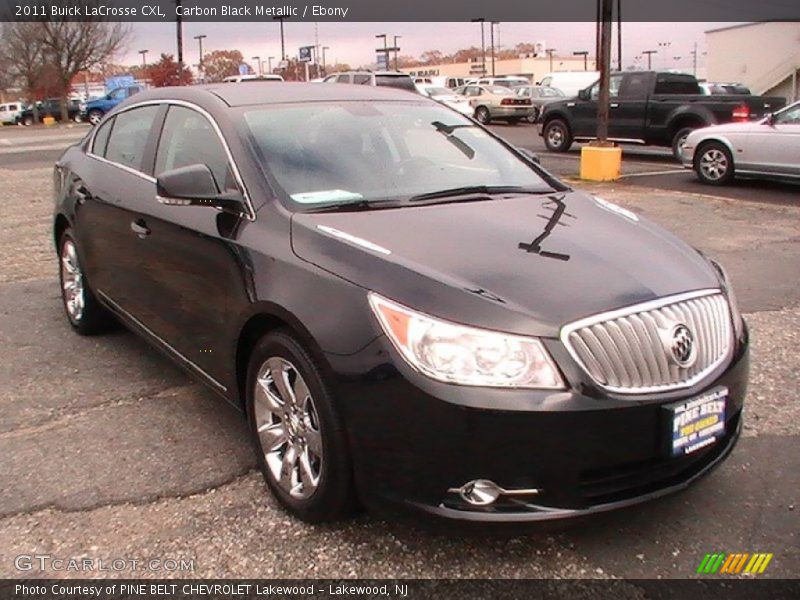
(140, 228)
(614, 105)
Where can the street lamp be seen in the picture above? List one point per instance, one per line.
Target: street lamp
(324, 67)
(396, 49)
(664, 47)
(585, 55)
(482, 20)
(385, 50)
(144, 57)
(491, 37)
(257, 60)
(269, 63)
(649, 54)
(283, 45)
(550, 52)
(200, 39)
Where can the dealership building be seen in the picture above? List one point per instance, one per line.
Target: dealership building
(763, 56)
(533, 67)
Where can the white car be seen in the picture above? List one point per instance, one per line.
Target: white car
(766, 148)
(446, 96)
(570, 82)
(10, 112)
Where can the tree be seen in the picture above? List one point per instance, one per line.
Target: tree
(72, 47)
(431, 57)
(23, 51)
(219, 64)
(168, 72)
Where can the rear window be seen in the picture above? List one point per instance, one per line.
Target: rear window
(398, 81)
(669, 83)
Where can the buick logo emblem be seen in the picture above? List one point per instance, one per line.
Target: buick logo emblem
(682, 349)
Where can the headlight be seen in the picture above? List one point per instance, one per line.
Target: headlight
(736, 316)
(465, 355)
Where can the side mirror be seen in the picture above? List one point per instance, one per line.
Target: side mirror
(585, 94)
(529, 154)
(194, 185)
(770, 120)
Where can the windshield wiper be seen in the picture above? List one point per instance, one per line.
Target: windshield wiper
(353, 205)
(483, 190)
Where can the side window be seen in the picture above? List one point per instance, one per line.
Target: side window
(343, 79)
(361, 78)
(634, 85)
(669, 83)
(128, 140)
(613, 87)
(117, 94)
(189, 139)
(789, 117)
(101, 138)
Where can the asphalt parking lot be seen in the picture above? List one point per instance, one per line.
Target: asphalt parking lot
(108, 451)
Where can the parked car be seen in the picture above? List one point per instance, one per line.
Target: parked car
(388, 291)
(95, 109)
(492, 102)
(251, 78)
(447, 97)
(394, 79)
(539, 97)
(767, 148)
(505, 81)
(723, 89)
(10, 112)
(570, 82)
(51, 107)
(649, 108)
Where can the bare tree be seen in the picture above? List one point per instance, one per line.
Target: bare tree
(72, 47)
(22, 50)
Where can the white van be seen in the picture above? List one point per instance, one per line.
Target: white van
(240, 78)
(10, 112)
(570, 82)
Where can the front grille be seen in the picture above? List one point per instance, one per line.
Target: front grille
(637, 349)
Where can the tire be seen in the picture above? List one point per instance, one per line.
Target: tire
(679, 139)
(76, 118)
(533, 117)
(308, 436)
(482, 115)
(27, 121)
(94, 116)
(713, 163)
(557, 136)
(514, 121)
(84, 312)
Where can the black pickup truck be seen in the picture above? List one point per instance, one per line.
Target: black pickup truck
(650, 108)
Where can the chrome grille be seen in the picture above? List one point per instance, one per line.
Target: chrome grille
(631, 350)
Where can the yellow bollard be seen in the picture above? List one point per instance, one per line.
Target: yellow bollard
(49, 121)
(601, 163)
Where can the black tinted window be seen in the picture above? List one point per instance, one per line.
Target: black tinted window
(101, 138)
(634, 85)
(189, 139)
(128, 139)
(669, 83)
(405, 83)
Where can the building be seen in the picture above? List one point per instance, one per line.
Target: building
(532, 67)
(763, 56)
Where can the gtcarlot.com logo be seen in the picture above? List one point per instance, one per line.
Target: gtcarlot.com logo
(740, 563)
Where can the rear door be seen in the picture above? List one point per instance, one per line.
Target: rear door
(775, 148)
(584, 112)
(628, 110)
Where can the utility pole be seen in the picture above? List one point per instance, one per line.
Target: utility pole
(283, 44)
(649, 54)
(396, 50)
(482, 20)
(605, 63)
(585, 55)
(202, 70)
(324, 65)
(491, 32)
(179, 26)
(144, 58)
(550, 52)
(619, 35)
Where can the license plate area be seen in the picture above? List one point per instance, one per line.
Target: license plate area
(696, 423)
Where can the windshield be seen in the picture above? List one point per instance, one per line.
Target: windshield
(438, 91)
(379, 151)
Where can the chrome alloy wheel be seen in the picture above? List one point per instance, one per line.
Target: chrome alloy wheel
(714, 164)
(555, 135)
(72, 281)
(288, 427)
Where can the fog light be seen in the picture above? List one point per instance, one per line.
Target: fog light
(483, 492)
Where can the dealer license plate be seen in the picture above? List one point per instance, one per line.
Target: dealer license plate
(697, 423)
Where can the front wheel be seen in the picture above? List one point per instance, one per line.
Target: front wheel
(95, 116)
(27, 121)
(679, 141)
(300, 442)
(557, 136)
(482, 115)
(76, 118)
(713, 164)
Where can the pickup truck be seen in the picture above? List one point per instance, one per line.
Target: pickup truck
(95, 109)
(51, 107)
(648, 108)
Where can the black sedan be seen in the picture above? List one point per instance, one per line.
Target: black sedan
(410, 312)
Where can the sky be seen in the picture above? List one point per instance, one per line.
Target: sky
(355, 43)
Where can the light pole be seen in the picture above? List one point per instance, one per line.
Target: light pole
(649, 54)
(585, 55)
(396, 49)
(269, 63)
(324, 66)
(491, 37)
(550, 52)
(385, 50)
(482, 20)
(665, 47)
(257, 60)
(200, 39)
(179, 32)
(283, 45)
(144, 57)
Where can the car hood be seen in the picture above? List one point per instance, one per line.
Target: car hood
(525, 264)
(730, 128)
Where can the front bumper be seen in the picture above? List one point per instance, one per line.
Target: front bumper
(687, 156)
(414, 439)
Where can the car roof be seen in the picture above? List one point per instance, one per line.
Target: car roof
(260, 93)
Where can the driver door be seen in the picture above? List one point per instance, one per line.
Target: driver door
(775, 147)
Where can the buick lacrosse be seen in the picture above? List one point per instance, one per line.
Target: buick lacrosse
(411, 313)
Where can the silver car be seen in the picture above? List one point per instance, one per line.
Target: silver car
(766, 148)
